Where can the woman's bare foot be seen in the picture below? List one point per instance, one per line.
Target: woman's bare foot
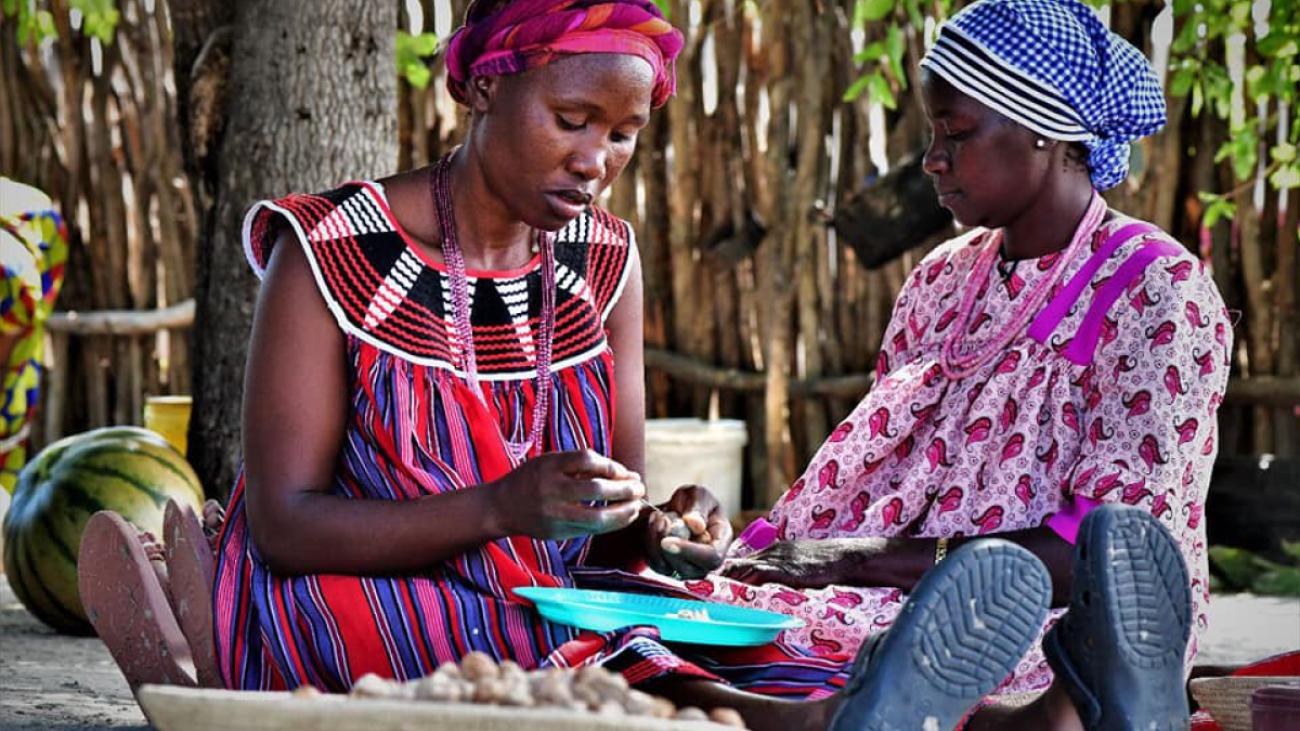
(760, 712)
(1051, 710)
(214, 519)
(123, 593)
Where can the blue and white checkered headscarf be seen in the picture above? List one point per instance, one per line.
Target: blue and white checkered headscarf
(1051, 66)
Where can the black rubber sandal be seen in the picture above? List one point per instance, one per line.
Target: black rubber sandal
(961, 633)
(1119, 649)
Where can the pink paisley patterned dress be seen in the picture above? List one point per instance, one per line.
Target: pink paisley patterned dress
(1110, 394)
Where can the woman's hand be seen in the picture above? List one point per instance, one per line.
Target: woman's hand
(807, 564)
(566, 494)
(690, 535)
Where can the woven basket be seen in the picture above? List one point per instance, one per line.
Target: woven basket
(1228, 699)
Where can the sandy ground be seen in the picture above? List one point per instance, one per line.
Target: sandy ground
(48, 681)
(70, 684)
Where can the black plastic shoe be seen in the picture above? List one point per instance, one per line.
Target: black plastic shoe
(1119, 650)
(960, 634)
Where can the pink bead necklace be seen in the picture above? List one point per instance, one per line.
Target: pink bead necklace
(959, 364)
(440, 183)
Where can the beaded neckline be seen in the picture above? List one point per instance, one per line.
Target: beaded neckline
(953, 358)
(452, 254)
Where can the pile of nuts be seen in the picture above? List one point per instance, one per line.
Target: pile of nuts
(479, 679)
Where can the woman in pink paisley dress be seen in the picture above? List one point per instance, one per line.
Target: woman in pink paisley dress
(1057, 357)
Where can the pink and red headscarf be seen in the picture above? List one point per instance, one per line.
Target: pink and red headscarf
(525, 34)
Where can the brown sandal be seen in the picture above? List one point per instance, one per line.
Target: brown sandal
(128, 606)
(190, 568)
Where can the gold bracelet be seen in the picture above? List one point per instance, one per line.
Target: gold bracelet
(940, 550)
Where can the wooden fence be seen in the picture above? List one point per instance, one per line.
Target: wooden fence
(757, 304)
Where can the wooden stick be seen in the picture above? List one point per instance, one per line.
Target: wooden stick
(1270, 390)
(123, 322)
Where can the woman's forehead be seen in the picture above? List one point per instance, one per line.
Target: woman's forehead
(602, 79)
(622, 66)
(942, 99)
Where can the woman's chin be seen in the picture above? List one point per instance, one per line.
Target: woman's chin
(966, 216)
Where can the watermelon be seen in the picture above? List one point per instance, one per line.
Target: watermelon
(129, 470)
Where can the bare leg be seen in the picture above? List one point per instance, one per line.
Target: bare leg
(761, 713)
(1051, 710)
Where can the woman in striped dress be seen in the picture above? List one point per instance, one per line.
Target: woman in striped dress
(444, 395)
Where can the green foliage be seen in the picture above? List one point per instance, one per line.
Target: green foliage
(1216, 207)
(1272, 76)
(1240, 570)
(884, 75)
(99, 19)
(412, 50)
(871, 10)
(34, 25)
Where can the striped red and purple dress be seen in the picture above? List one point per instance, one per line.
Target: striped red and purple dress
(415, 428)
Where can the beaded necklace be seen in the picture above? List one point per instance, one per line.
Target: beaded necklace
(440, 186)
(958, 364)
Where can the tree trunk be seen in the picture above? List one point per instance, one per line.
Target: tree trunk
(315, 91)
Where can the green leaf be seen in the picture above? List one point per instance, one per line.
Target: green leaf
(894, 48)
(665, 7)
(1218, 88)
(1292, 549)
(1187, 38)
(856, 88)
(1218, 207)
(874, 51)
(411, 52)
(1235, 565)
(1279, 582)
(99, 18)
(1256, 75)
(881, 92)
(1242, 147)
(1240, 13)
(424, 44)
(417, 75)
(36, 28)
(873, 10)
(1284, 152)
(914, 15)
(1277, 44)
(1183, 80)
(1285, 177)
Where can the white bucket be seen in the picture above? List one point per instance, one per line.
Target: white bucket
(695, 452)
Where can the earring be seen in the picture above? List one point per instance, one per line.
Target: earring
(1040, 143)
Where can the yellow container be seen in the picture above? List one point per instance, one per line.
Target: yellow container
(169, 416)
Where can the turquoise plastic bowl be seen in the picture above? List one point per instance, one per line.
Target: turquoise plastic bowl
(603, 611)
